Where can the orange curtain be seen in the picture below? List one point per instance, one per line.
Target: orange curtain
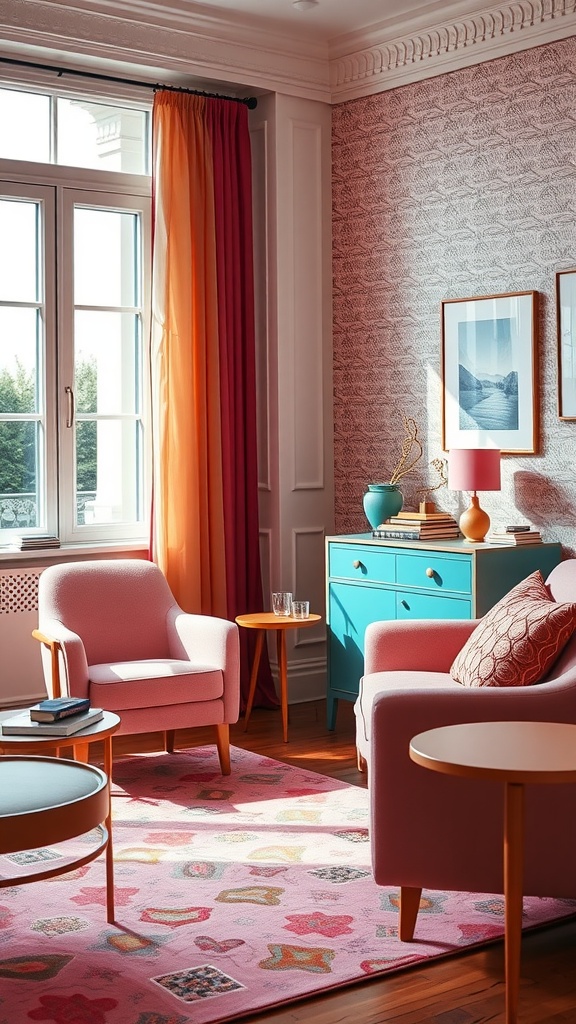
(188, 506)
(205, 534)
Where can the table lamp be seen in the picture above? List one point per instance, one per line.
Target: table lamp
(474, 469)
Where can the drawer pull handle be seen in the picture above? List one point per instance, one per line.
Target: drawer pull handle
(430, 573)
(356, 563)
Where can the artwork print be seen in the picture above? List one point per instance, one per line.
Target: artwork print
(488, 354)
(488, 382)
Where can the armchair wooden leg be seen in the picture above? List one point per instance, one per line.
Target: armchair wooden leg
(169, 735)
(361, 762)
(223, 745)
(409, 907)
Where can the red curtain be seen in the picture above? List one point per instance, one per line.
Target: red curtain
(205, 524)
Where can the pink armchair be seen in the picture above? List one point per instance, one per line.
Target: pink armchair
(112, 630)
(439, 832)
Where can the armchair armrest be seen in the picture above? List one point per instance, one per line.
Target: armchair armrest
(65, 664)
(426, 645)
(208, 640)
(55, 649)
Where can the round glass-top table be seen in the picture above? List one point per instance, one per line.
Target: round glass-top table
(46, 801)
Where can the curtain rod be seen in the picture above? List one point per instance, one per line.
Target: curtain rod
(250, 101)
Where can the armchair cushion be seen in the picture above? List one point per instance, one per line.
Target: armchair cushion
(518, 640)
(157, 682)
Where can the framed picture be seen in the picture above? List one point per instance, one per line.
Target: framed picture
(489, 372)
(566, 328)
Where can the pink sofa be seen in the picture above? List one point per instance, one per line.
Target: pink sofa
(439, 832)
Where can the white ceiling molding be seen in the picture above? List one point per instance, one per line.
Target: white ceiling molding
(166, 42)
(178, 47)
(499, 30)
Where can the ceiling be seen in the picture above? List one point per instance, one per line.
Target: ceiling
(328, 20)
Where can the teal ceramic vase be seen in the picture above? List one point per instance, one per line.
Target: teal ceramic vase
(382, 501)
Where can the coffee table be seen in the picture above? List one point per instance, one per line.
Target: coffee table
(79, 741)
(513, 753)
(280, 624)
(48, 801)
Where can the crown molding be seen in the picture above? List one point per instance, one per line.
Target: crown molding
(497, 31)
(179, 43)
(154, 40)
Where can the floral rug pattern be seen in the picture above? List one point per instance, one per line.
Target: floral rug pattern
(232, 895)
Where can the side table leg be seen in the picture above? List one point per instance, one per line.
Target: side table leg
(253, 677)
(110, 910)
(283, 674)
(513, 886)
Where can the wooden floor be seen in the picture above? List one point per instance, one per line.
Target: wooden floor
(467, 989)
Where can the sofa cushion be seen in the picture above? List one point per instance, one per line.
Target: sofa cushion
(518, 640)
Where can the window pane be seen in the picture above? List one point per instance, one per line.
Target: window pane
(18, 475)
(18, 360)
(102, 136)
(106, 374)
(19, 222)
(105, 263)
(108, 485)
(33, 111)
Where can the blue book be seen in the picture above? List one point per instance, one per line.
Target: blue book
(54, 709)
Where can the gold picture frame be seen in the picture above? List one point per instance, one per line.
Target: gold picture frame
(566, 341)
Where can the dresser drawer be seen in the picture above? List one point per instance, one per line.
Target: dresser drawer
(431, 606)
(362, 563)
(436, 572)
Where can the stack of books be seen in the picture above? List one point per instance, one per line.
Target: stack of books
(418, 526)
(514, 535)
(62, 716)
(34, 542)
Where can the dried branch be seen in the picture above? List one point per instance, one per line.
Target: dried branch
(440, 465)
(410, 442)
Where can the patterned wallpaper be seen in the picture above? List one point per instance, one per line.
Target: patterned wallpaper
(460, 185)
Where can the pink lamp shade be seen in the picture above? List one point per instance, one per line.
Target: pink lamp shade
(474, 469)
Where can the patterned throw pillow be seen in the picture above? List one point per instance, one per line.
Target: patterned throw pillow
(518, 640)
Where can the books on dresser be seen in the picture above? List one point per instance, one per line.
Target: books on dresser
(418, 526)
(52, 710)
(22, 724)
(508, 536)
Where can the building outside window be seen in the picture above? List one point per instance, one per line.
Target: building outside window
(74, 315)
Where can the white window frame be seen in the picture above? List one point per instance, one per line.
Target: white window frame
(119, 191)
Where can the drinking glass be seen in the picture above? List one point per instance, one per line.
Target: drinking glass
(300, 609)
(282, 602)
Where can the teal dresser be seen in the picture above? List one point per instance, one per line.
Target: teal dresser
(368, 580)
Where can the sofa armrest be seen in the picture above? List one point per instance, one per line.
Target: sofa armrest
(426, 645)
(398, 715)
(440, 832)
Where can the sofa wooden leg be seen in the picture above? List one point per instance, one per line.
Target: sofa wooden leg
(223, 745)
(169, 736)
(361, 762)
(409, 907)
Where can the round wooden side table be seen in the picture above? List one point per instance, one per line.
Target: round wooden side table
(79, 741)
(48, 801)
(280, 623)
(514, 753)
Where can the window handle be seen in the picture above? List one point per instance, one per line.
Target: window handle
(70, 406)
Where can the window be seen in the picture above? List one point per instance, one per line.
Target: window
(74, 298)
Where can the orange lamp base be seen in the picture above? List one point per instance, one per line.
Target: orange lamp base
(474, 522)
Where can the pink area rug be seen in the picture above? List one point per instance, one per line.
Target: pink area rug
(233, 895)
